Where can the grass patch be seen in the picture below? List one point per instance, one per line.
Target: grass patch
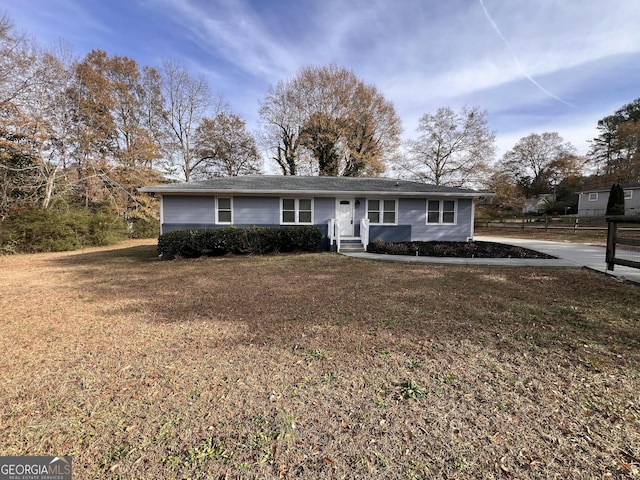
(316, 366)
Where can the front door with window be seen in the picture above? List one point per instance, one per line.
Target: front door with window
(344, 215)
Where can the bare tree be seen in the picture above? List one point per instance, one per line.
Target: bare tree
(328, 114)
(17, 62)
(453, 149)
(225, 148)
(36, 115)
(281, 127)
(188, 100)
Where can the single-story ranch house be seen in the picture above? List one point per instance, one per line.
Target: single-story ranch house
(345, 209)
(593, 202)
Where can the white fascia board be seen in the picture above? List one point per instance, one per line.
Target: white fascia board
(318, 193)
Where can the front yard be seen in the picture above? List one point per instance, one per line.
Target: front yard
(316, 366)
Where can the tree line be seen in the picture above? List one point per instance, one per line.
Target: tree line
(87, 133)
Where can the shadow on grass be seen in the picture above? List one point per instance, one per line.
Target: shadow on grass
(281, 299)
(128, 255)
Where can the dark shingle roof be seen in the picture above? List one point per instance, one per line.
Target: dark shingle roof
(625, 186)
(279, 184)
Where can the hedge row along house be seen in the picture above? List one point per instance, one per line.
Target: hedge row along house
(348, 211)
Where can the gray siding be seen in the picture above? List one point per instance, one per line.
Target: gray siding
(192, 213)
(415, 212)
(387, 233)
(180, 209)
(412, 224)
(256, 211)
(593, 208)
(599, 207)
(324, 209)
(185, 212)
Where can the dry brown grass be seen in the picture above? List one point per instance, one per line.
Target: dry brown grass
(316, 366)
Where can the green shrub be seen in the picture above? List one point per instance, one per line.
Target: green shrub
(240, 241)
(58, 229)
(144, 227)
(179, 243)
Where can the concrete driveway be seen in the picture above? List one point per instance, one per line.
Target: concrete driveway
(580, 255)
(570, 255)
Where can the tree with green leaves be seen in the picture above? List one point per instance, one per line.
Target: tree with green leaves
(615, 152)
(615, 204)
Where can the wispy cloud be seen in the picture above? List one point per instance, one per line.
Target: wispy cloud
(231, 31)
(515, 58)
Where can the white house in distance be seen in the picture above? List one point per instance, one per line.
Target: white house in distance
(593, 202)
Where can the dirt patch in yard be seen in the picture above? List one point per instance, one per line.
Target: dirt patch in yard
(316, 366)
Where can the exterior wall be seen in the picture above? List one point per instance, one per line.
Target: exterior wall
(390, 233)
(599, 207)
(198, 212)
(414, 212)
(256, 211)
(595, 208)
(188, 210)
(195, 212)
(323, 210)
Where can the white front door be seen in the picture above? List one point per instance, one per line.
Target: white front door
(344, 215)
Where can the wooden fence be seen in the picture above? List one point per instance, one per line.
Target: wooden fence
(545, 223)
(614, 239)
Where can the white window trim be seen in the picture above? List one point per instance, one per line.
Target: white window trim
(382, 199)
(217, 219)
(441, 212)
(297, 210)
(628, 194)
(593, 197)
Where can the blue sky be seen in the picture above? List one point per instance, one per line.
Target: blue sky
(534, 65)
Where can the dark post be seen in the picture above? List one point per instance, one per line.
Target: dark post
(612, 233)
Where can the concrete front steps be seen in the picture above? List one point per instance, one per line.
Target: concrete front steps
(351, 245)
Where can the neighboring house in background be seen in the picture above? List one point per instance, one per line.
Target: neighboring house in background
(538, 203)
(359, 210)
(593, 202)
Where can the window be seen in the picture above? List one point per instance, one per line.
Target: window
(297, 210)
(381, 211)
(593, 197)
(441, 211)
(628, 194)
(224, 210)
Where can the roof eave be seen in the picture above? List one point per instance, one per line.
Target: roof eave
(315, 193)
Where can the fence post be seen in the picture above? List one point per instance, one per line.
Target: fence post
(546, 222)
(575, 225)
(612, 233)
